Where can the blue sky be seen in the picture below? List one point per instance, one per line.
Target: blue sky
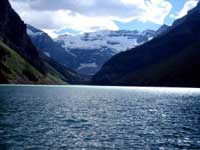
(58, 17)
(177, 6)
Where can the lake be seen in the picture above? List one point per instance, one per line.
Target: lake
(83, 117)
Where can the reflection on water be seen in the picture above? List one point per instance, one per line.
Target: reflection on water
(77, 117)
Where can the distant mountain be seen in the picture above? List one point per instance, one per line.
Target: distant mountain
(92, 50)
(50, 48)
(20, 61)
(171, 59)
(86, 53)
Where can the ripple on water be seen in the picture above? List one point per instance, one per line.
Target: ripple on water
(99, 118)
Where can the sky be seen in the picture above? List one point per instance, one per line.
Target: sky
(57, 17)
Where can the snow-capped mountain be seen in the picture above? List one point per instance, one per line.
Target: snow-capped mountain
(92, 50)
(116, 40)
(87, 52)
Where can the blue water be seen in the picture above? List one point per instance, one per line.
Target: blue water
(81, 117)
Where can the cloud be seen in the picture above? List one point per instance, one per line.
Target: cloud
(51, 33)
(156, 11)
(89, 15)
(187, 6)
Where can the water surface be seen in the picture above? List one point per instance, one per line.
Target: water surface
(83, 117)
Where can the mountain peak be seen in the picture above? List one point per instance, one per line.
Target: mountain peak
(162, 29)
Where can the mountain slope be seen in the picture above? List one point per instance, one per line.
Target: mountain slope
(13, 33)
(24, 63)
(15, 69)
(50, 48)
(171, 59)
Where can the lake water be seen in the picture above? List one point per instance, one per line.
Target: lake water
(83, 117)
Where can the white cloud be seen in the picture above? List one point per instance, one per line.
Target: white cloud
(50, 33)
(187, 6)
(156, 11)
(89, 15)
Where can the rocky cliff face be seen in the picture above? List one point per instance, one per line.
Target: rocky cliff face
(13, 33)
